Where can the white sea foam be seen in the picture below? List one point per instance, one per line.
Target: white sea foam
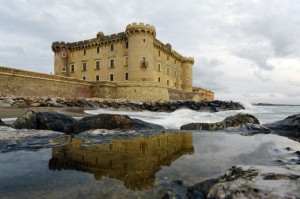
(180, 117)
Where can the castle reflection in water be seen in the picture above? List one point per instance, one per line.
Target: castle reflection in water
(134, 161)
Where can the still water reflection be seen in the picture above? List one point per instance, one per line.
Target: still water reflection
(134, 161)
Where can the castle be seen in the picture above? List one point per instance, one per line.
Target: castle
(128, 65)
(133, 55)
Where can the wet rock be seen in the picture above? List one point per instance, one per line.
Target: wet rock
(26, 121)
(231, 121)
(110, 121)
(43, 121)
(249, 129)
(289, 127)
(53, 121)
(251, 182)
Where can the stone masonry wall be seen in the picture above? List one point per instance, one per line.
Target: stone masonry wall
(143, 91)
(25, 83)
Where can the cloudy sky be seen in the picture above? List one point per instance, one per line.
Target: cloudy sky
(244, 50)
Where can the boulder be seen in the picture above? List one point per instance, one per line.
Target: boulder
(110, 121)
(289, 127)
(43, 121)
(6, 103)
(53, 121)
(231, 121)
(26, 121)
(249, 129)
(250, 182)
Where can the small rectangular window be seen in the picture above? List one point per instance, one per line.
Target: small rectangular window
(144, 40)
(63, 54)
(112, 47)
(126, 45)
(126, 76)
(84, 68)
(111, 77)
(97, 65)
(175, 73)
(168, 71)
(72, 67)
(168, 82)
(144, 62)
(159, 53)
(64, 69)
(98, 49)
(159, 67)
(97, 78)
(84, 52)
(158, 79)
(112, 63)
(84, 78)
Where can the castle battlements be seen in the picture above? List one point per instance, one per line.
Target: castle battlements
(134, 55)
(140, 28)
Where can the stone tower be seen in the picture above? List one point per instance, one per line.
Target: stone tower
(187, 73)
(60, 58)
(140, 51)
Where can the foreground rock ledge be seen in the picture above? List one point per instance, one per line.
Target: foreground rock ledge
(66, 124)
(123, 104)
(231, 121)
(251, 182)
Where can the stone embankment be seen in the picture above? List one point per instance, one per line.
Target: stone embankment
(122, 104)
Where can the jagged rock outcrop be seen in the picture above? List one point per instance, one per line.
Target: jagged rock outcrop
(124, 104)
(289, 127)
(231, 121)
(26, 121)
(43, 121)
(250, 182)
(110, 121)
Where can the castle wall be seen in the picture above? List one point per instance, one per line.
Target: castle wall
(166, 61)
(143, 91)
(104, 55)
(25, 83)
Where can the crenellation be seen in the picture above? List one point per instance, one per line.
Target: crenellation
(135, 55)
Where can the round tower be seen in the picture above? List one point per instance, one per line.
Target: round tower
(187, 73)
(140, 51)
(60, 58)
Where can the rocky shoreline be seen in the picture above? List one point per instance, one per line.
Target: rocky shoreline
(121, 104)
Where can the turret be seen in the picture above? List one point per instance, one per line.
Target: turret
(140, 51)
(187, 73)
(60, 58)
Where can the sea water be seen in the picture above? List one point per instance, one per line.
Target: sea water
(143, 167)
(173, 120)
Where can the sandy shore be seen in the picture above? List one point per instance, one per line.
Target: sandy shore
(14, 113)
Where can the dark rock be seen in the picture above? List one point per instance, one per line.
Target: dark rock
(53, 121)
(249, 129)
(289, 127)
(231, 121)
(110, 121)
(26, 121)
(250, 182)
(43, 121)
